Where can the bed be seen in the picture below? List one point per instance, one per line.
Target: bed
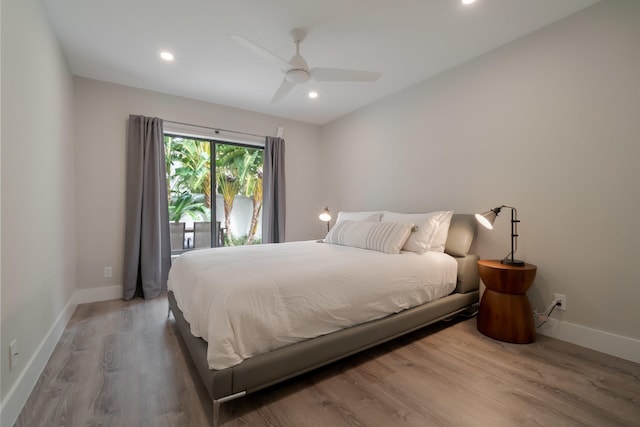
(259, 363)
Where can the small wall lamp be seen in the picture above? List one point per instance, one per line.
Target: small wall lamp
(325, 216)
(488, 218)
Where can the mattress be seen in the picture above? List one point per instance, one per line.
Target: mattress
(246, 301)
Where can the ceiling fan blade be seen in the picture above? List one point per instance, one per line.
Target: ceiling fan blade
(282, 91)
(260, 50)
(337, 75)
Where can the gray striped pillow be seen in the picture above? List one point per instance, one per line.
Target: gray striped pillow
(387, 237)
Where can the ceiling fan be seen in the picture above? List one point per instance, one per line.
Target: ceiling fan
(297, 71)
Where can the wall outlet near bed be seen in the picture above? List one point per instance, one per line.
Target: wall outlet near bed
(108, 272)
(13, 354)
(561, 301)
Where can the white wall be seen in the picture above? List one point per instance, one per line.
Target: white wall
(38, 206)
(1, 392)
(549, 124)
(101, 114)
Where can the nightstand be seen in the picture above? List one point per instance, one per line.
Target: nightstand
(505, 313)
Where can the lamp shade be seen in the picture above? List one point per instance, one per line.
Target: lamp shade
(325, 215)
(488, 218)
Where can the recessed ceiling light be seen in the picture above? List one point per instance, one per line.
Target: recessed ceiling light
(167, 56)
(313, 94)
(468, 1)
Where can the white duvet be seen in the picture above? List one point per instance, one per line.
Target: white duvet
(252, 299)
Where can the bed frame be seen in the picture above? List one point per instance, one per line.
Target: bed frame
(270, 368)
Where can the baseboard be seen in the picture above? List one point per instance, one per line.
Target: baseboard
(19, 393)
(604, 342)
(21, 389)
(102, 293)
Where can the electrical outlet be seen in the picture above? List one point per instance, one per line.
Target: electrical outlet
(13, 351)
(108, 272)
(562, 300)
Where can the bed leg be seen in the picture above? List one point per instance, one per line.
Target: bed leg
(217, 402)
(169, 312)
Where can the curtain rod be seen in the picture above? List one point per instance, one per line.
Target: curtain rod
(217, 130)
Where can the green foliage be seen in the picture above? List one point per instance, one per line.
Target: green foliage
(240, 241)
(188, 164)
(241, 163)
(186, 203)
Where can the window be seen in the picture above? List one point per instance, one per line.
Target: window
(233, 197)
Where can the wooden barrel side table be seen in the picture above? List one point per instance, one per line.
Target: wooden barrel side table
(505, 312)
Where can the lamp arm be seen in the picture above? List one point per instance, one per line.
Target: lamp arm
(510, 259)
(514, 232)
(514, 229)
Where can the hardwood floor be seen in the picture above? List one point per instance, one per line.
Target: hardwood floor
(121, 364)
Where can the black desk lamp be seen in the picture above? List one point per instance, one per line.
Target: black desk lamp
(488, 218)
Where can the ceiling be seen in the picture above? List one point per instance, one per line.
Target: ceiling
(408, 41)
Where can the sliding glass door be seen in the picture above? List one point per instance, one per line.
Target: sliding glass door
(227, 189)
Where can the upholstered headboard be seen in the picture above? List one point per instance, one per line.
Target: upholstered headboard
(462, 231)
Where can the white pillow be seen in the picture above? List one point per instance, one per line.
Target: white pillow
(439, 238)
(359, 216)
(387, 237)
(428, 233)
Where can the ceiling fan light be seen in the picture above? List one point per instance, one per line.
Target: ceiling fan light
(297, 76)
(313, 94)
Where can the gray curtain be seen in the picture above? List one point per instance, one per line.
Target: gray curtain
(273, 189)
(147, 240)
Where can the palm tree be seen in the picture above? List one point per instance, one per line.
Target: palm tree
(257, 206)
(228, 186)
(246, 165)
